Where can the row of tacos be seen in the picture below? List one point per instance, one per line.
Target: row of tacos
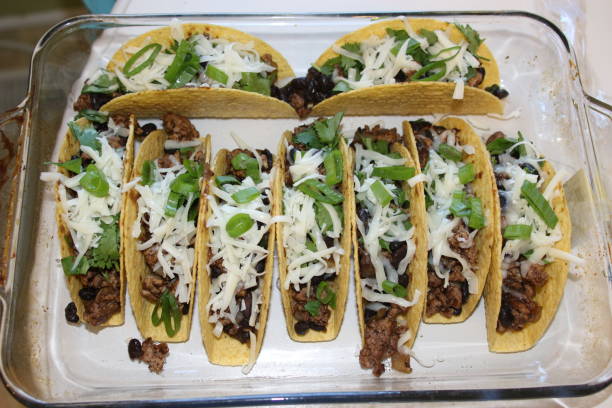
(399, 67)
(433, 216)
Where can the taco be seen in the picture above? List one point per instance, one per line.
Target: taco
(531, 255)
(93, 165)
(162, 214)
(399, 67)
(237, 258)
(389, 247)
(200, 70)
(461, 213)
(314, 200)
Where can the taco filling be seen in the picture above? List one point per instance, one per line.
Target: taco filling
(89, 193)
(454, 218)
(165, 227)
(195, 61)
(386, 246)
(402, 55)
(530, 228)
(239, 229)
(312, 199)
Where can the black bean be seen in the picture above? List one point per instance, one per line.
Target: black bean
(71, 313)
(265, 200)
(403, 279)
(529, 169)
(456, 311)
(317, 327)
(400, 77)
(260, 266)
(364, 216)
(99, 99)
(203, 64)
(148, 128)
(185, 308)
(100, 127)
(134, 349)
(465, 291)
(88, 293)
(502, 199)
(301, 328)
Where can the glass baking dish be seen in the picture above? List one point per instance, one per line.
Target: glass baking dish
(46, 362)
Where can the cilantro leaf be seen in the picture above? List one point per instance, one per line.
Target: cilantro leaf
(353, 47)
(253, 82)
(400, 35)
(472, 37)
(327, 129)
(309, 138)
(73, 165)
(106, 254)
(86, 136)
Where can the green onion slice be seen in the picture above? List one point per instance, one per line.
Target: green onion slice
(326, 295)
(449, 152)
(194, 169)
(175, 200)
(466, 173)
(250, 165)
(418, 76)
(394, 172)
(170, 314)
(312, 307)
(245, 195)
(320, 191)
(185, 184)
(383, 196)
(238, 225)
(147, 173)
(476, 218)
(216, 74)
(333, 167)
(222, 180)
(71, 269)
(94, 182)
(530, 192)
(155, 48)
(394, 289)
(459, 205)
(517, 231)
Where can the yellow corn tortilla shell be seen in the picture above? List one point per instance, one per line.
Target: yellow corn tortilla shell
(69, 148)
(484, 189)
(226, 350)
(417, 270)
(136, 268)
(412, 98)
(341, 283)
(548, 296)
(200, 102)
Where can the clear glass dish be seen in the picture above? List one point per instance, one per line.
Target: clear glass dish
(44, 361)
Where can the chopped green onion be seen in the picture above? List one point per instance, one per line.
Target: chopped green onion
(499, 146)
(407, 225)
(530, 192)
(216, 74)
(381, 193)
(384, 245)
(184, 65)
(459, 206)
(517, 231)
(175, 200)
(222, 180)
(238, 225)
(71, 269)
(312, 307)
(192, 214)
(522, 149)
(185, 184)
(379, 146)
(310, 245)
(394, 172)
(320, 191)
(466, 173)
(476, 218)
(93, 115)
(194, 169)
(417, 76)
(325, 294)
(170, 314)
(245, 195)
(393, 288)
(74, 165)
(127, 68)
(186, 151)
(323, 217)
(528, 253)
(449, 152)
(243, 161)
(147, 173)
(333, 167)
(400, 197)
(431, 37)
(94, 181)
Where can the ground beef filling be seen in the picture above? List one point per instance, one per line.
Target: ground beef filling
(304, 92)
(179, 127)
(154, 355)
(304, 320)
(381, 336)
(446, 300)
(241, 328)
(93, 101)
(376, 133)
(101, 295)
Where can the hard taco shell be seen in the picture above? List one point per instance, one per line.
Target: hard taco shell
(200, 102)
(417, 270)
(412, 98)
(136, 268)
(548, 296)
(69, 148)
(226, 350)
(485, 190)
(340, 285)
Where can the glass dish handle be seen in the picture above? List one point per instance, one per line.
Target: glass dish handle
(11, 145)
